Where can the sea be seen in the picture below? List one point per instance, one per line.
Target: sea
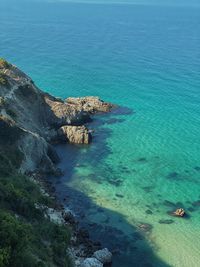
(144, 160)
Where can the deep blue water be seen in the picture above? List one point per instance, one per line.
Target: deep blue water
(145, 58)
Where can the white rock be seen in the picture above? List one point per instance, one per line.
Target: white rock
(77, 263)
(103, 255)
(91, 262)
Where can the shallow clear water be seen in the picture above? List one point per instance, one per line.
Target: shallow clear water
(142, 164)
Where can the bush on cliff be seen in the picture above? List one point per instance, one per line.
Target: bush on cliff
(3, 79)
(27, 237)
(4, 63)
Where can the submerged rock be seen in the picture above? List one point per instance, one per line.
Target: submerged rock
(148, 212)
(116, 182)
(114, 120)
(142, 160)
(196, 203)
(148, 189)
(169, 203)
(166, 221)
(103, 255)
(119, 195)
(91, 262)
(146, 227)
(173, 175)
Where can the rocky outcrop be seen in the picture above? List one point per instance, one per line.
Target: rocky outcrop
(103, 255)
(42, 118)
(91, 262)
(89, 104)
(74, 134)
(30, 120)
(64, 113)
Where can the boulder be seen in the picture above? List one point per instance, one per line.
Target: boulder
(74, 134)
(179, 212)
(91, 262)
(103, 255)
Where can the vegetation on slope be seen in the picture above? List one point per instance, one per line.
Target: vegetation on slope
(3, 65)
(27, 237)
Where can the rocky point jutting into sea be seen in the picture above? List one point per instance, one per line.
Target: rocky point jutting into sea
(30, 122)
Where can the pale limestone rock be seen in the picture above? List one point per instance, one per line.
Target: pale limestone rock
(103, 255)
(91, 262)
(91, 104)
(179, 212)
(75, 134)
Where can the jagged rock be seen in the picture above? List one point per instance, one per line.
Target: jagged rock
(69, 217)
(75, 134)
(89, 104)
(103, 255)
(65, 113)
(91, 262)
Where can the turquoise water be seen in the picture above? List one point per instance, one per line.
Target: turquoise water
(143, 163)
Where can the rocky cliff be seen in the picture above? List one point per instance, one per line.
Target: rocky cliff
(30, 120)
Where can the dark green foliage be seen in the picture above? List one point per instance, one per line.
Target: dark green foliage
(27, 238)
(9, 132)
(3, 79)
(10, 156)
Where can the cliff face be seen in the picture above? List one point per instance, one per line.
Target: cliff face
(31, 119)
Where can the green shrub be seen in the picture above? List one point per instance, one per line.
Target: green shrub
(27, 237)
(3, 79)
(4, 256)
(4, 63)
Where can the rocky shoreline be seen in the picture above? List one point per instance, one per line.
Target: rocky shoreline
(83, 251)
(31, 121)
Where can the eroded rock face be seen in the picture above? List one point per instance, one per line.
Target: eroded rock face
(42, 118)
(91, 262)
(75, 134)
(91, 104)
(65, 113)
(103, 255)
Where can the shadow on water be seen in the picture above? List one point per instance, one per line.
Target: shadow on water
(128, 243)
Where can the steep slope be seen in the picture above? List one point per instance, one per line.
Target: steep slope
(38, 117)
(30, 120)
